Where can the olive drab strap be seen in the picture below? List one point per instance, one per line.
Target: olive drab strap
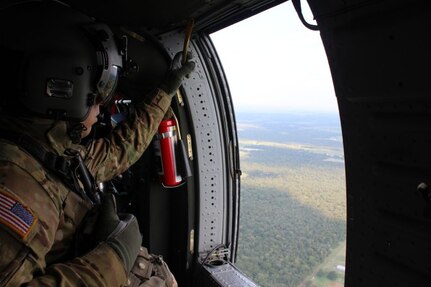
(70, 169)
(151, 270)
(83, 174)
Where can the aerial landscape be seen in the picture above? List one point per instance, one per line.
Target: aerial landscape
(293, 210)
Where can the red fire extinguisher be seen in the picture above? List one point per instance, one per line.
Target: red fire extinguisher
(174, 166)
(170, 151)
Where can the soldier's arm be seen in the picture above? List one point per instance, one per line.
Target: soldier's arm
(100, 267)
(113, 155)
(29, 220)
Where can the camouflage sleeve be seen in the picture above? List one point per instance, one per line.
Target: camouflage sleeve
(111, 156)
(100, 267)
(30, 215)
(28, 219)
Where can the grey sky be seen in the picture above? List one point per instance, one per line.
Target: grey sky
(274, 63)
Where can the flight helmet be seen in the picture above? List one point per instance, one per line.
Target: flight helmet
(58, 61)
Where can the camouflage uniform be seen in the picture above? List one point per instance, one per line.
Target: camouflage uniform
(37, 252)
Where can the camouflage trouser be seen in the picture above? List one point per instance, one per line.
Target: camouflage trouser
(151, 271)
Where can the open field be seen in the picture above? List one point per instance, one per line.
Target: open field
(291, 220)
(319, 187)
(332, 151)
(293, 201)
(319, 277)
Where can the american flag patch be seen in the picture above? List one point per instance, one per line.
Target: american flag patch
(16, 216)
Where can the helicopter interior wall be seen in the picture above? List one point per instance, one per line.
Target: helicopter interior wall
(379, 58)
(151, 59)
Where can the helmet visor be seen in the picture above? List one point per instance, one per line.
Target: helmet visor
(107, 84)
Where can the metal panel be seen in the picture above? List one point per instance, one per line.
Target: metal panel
(227, 275)
(209, 157)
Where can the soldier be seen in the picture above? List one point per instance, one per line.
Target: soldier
(59, 66)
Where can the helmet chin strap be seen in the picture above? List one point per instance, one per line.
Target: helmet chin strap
(75, 131)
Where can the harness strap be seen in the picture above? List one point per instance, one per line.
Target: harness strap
(61, 166)
(57, 164)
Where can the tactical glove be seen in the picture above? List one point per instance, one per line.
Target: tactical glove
(119, 232)
(176, 74)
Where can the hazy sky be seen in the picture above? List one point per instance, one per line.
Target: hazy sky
(272, 56)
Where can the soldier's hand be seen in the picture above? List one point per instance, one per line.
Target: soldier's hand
(176, 73)
(107, 219)
(119, 232)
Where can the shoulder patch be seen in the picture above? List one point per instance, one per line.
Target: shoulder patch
(16, 216)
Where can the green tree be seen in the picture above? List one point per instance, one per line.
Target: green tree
(332, 276)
